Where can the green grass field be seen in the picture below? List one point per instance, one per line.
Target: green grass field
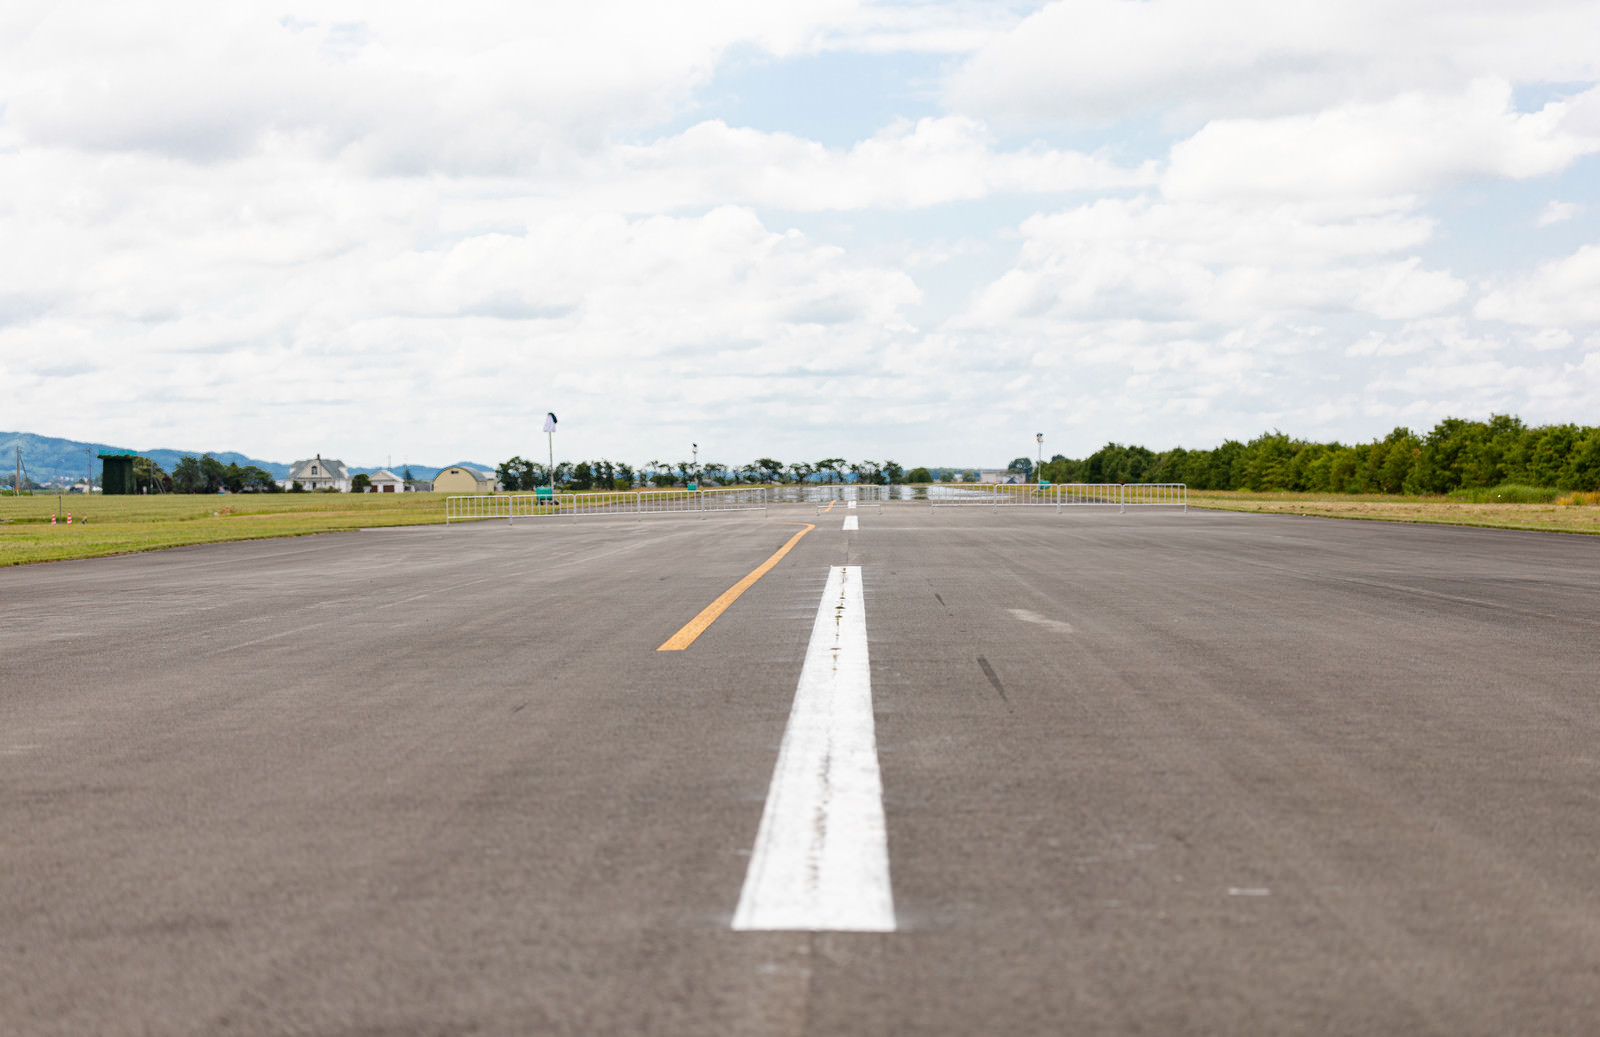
(124, 525)
(1549, 512)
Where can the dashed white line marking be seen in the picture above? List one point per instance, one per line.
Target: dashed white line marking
(821, 858)
(852, 522)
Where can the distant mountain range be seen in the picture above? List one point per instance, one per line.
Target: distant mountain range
(47, 460)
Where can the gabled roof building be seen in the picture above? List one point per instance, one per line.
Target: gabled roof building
(319, 474)
(385, 481)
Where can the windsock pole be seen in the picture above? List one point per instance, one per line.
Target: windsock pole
(550, 438)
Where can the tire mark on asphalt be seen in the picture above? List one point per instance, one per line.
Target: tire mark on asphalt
(994, 679)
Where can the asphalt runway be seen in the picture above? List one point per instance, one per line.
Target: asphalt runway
(1140, 774)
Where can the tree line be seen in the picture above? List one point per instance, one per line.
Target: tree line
(1456, 454)
(203, 474)
(519, 473)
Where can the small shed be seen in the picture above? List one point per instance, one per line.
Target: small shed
(385, 481)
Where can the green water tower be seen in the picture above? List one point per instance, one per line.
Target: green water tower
(116, 474)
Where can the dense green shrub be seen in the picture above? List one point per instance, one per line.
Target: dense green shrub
(1501, 455)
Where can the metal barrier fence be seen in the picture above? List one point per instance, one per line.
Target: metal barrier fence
(468, 509)
(616, 505)
(640, 504)
(846, 492)
(853, 505)
(1121, 496)
(797, 493)
(1156, 495)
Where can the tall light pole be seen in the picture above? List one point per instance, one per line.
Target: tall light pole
(694, 466)
(1037, 476)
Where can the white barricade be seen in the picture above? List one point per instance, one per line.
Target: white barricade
(638, 504)
(811, 493)
(642, 503)
(849, 505)
(469, 509)
(1156, 495)
(1121, 496)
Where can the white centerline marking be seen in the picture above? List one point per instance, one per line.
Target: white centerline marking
(821, 858)
(852, 522)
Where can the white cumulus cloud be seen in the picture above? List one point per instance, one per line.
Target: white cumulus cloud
(1396, 148)
(407, 87)
(371, 228)
(1140, 259)
(1103, 60)
(1558, 212)
(1563, 292)
(907, 165)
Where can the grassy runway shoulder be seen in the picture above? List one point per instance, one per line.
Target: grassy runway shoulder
(1551, 517)
(125, 525)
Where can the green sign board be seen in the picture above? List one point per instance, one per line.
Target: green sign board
(543, 493)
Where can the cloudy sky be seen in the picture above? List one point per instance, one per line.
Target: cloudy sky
(920, 230)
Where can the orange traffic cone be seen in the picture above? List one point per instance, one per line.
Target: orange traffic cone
(52, 518)
(69, 518)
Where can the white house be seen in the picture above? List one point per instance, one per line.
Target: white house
(319, 474)
(385, 481)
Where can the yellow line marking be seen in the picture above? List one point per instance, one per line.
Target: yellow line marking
(708, 615)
